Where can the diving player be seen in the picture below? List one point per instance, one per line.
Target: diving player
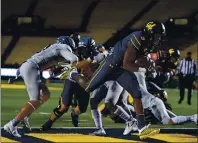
(124, 53)
(60, 51)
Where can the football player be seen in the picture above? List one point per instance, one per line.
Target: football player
(166, 65)
(111, 92)
(154, 107)
(30, 70)
(120, 65)
(87, 52)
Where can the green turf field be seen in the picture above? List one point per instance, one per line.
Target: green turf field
(13, 99)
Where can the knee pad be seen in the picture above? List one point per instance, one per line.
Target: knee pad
(93, 103)
(110, 106)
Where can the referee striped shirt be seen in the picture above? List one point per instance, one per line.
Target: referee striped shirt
(187, 67)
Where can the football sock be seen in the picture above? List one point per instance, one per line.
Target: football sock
(15, 122)
(97, 118)
(141, 121)
(26, 110)
(122, 113)
(181, 119)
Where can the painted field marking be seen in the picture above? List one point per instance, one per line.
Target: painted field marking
(15, 86)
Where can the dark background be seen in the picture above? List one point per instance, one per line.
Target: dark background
(30, 25)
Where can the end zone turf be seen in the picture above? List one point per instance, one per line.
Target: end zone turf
(113, 135)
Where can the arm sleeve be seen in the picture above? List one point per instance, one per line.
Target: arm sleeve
(69, 56)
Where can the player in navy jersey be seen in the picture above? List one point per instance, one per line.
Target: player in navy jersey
(120, 66)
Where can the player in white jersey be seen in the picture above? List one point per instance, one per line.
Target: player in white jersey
(158, 108)
(150, 102)
(72, 90)
(30, 71)
(154, 105)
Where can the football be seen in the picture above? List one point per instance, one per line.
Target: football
(142, 61)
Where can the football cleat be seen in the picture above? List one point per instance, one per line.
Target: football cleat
(99, 132)
(74, 118)
(47, 126)
(11, 129)
(26, 125)
(146, 132)
(130, 126)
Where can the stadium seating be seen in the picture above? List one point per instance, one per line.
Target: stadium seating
(5, 40)
(62, 14)
(14, 8)
(26, 47)
(165, 9)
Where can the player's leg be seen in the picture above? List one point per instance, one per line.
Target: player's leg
(44, 96)
(82, 98)
(97, 96)
(189, 92)
(134, 89)
(160, 112)
(181, 119)
(100, 76)
(182, 90)
(111, 100)
(129, 82)
(123, 101)
(64, 103)
(153, 88)
(31, 78)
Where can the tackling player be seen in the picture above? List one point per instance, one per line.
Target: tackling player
(61, 51)
(86, 50)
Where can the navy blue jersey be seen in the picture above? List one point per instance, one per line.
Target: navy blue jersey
(116, 55)
(87, 48)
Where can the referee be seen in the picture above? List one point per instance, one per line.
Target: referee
(186, 73)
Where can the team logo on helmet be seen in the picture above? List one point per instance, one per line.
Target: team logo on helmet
(171, 51)
(150, 25)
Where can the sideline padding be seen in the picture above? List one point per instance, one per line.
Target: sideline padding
(15, 86)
